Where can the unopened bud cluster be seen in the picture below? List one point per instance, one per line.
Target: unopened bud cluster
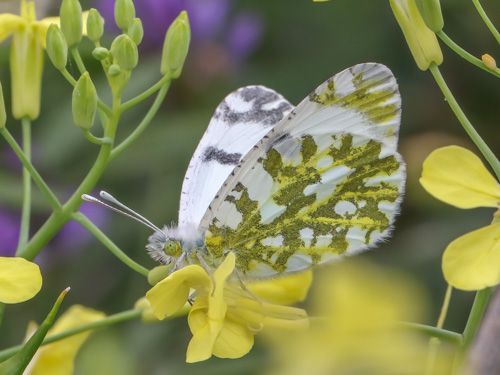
(118, 59)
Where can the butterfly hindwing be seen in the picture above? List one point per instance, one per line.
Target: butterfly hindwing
(324, 182)
(239, 122)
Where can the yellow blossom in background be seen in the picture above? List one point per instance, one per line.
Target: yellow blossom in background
(355, 312)
(225, 317)
(20, 280)
(58, 358)
(458, 177)
(26, 57)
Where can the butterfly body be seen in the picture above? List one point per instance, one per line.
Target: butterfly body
(287, 188)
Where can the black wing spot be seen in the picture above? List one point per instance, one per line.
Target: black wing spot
(221, 156)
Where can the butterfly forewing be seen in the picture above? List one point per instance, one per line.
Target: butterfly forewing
(239, 122)
(325, 182)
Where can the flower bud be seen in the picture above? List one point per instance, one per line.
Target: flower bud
(147, 315)
(124, 52)
(135, 31)
(57, 48)
(421, 40)
(176, 45)
(71, 21)
(114, 70)
(95, 25)
(158, 273)
(489, 61)
(100, 53)
(3, 114)
(84, 103)
(430, 10)
(124, 13)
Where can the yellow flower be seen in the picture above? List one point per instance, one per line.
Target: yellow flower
(458, 177)
(225, 317)
(421, 40)
(20, 280)
(57, 358)
(26, 57)
(358, 308)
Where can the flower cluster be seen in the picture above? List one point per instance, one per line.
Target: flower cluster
(225, 315)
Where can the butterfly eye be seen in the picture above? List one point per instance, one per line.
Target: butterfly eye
(172, 248)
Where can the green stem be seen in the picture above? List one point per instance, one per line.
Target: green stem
(26, 205)
(430, 363)
(465, 55)
(469, 128)
(434, 342)
(52, 199)
(486, 20)
(476, 314)
(68, 77)
(439, 333)
(472, 326)
(96, 140)
(444, 308)
(110, 320)
(144, 123)
(78, 59)
(87, 224)
(165, 81)
(57, 220)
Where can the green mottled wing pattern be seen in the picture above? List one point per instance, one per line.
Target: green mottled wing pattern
(323, 183)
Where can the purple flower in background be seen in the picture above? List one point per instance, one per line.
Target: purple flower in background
(70, 239)
(73, 236)
(216, 27)
(9, 224)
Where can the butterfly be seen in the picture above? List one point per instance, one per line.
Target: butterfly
(285, 188)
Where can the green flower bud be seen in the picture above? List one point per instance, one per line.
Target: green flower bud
(124, 13)
(114, 70)
(431, 13)
(57, 48)
(100, 53)
(421, 40)
(176, 45)
(84, 103)
(157, 274)
(71, 21)
(95, 25)
(3, 114)
(135, 31)
(124, 52)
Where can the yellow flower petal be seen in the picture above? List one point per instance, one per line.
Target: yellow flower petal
(472, 261)
(170, 294)
(58, 358)
(204, 329)
(8, 24)
(285, 290)
(20, 280)
(206, 319)
(234, 341)
(457, 176)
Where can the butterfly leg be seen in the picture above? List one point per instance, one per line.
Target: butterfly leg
(245, 287)
(178, 263)
(207, 268)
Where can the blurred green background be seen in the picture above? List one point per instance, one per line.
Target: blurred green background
(301, 44)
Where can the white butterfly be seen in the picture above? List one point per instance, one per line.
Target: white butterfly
(285, 188)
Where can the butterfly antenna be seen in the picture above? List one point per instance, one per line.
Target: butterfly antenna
(110, 198)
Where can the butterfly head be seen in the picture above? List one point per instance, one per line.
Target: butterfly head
(163, 248)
